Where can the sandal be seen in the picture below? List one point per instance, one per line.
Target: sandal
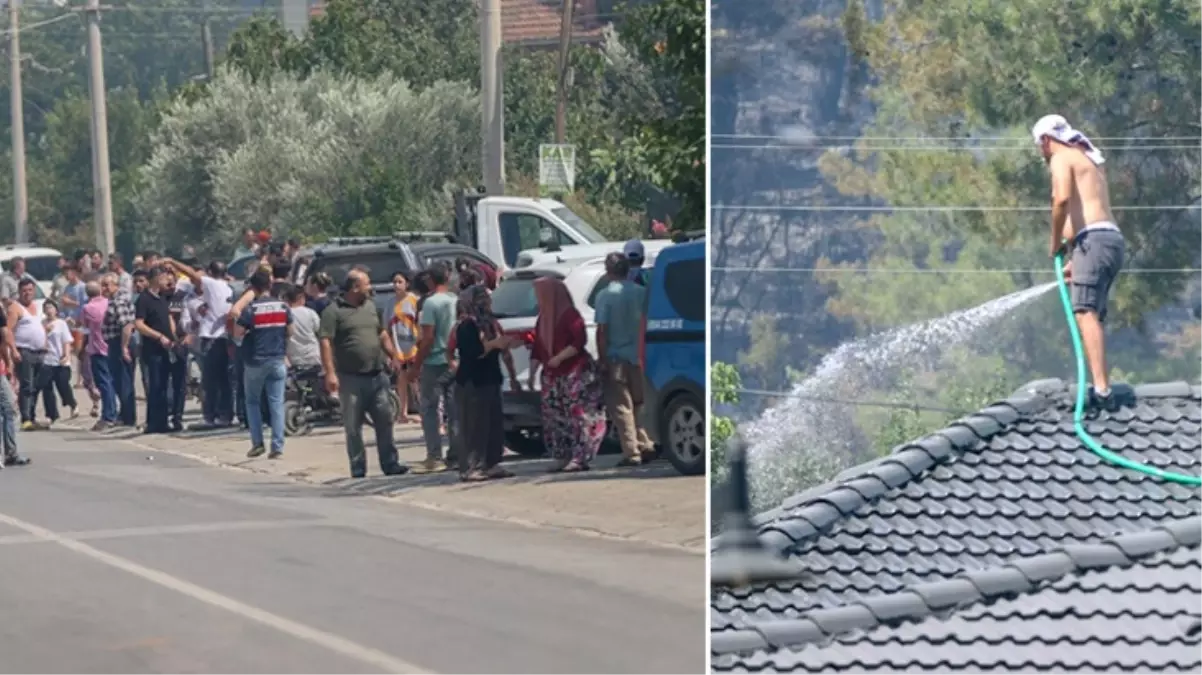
(557, 467)
(499, 472)
(575, 467)
(475, 477)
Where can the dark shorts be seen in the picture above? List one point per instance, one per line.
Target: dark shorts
(1097, 259)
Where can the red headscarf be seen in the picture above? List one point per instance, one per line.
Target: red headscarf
(554, 306)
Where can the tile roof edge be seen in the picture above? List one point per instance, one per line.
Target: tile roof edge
(1019, 576)
(826, 503)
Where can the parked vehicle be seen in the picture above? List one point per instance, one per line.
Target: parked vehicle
(306, 402)
(40, 262)
(583, 252)
(380, 256)
(503, 227)
(674, 356)
(429, 253)
(516, 307)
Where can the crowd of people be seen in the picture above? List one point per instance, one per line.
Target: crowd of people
(440, 348)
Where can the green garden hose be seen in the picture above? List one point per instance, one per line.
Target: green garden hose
(1079, 411)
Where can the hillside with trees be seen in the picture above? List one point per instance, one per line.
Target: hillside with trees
(881, 172)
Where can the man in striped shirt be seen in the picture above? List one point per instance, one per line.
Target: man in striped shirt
(264, 325)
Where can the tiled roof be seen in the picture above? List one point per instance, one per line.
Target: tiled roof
(951, 551)
(537, 22)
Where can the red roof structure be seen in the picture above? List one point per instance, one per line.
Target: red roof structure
(536, 23)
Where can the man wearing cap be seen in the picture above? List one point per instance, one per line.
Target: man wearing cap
(636, 254)
(1083, 227)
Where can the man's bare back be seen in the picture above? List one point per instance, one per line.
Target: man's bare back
(1088, 193)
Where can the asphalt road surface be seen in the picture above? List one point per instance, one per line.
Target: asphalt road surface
(116, 561)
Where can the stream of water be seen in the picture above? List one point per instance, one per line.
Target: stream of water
(804, 439)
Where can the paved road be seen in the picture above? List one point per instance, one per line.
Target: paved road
(117, 561)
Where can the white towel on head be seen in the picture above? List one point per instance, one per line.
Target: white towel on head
(1058, 128)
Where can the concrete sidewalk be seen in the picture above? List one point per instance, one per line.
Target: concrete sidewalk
(652, 504)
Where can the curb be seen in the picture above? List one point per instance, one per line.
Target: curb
(697, 549)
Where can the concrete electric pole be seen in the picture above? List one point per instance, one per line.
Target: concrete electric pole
(492, 98)
(105, 239)
(17, 104)
(561, 93)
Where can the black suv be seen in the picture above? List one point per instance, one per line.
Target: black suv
(380, 256)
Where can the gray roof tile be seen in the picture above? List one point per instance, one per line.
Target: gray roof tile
(998, 544)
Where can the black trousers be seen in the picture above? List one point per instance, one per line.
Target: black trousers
(54, 378)
(29, 373)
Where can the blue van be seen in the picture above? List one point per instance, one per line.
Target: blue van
(674, 356)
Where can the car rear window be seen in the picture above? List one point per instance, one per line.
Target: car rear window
(682, 279)
(380, 266)
(514, 298)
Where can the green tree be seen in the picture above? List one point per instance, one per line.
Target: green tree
(724, 390)
(668, 149)
(325, 155)
(1117, 68)
(958, 73)
(364, 39)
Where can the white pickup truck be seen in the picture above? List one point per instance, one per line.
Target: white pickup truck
(503, 227)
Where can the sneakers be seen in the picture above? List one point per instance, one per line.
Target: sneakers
(256, 451)
(101, 425)
(17, 460)
(1098, 402)
(433, 466)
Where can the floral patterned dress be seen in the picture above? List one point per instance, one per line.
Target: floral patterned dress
(573, 411)
(573, 405)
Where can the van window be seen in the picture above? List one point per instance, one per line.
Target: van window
(521, 231)
(42, 267)
(682, 281)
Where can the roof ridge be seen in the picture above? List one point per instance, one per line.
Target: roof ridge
(1019, 576)
(814, 511)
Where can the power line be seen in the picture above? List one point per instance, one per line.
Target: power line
(935, 270)
(30, 26)
(843, 401)
(949, 209)
(924, 139)
(945, 148)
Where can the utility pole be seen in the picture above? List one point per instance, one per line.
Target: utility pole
(561, 94)
(17, 106)
(492, 98)
(206, 39)
(101, 186)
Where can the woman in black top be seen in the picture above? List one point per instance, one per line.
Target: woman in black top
(479, 343)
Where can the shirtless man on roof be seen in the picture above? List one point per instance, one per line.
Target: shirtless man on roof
(1082, 224)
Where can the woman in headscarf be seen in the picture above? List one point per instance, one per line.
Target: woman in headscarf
(572, 402)
(479, 343)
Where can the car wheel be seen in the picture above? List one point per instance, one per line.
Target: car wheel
(525, 442)
(682, 434)
(296, 419)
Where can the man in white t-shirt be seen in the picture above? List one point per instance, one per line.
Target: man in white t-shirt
(215, 296)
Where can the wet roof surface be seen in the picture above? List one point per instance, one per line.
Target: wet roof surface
(915, 561)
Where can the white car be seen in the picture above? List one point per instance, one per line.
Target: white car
(516, 307)
(574, 255)
(40, 262)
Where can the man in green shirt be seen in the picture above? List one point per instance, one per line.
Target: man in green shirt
(355, 348)
(434, 365)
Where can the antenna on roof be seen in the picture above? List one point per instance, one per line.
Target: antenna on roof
(741, 559)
